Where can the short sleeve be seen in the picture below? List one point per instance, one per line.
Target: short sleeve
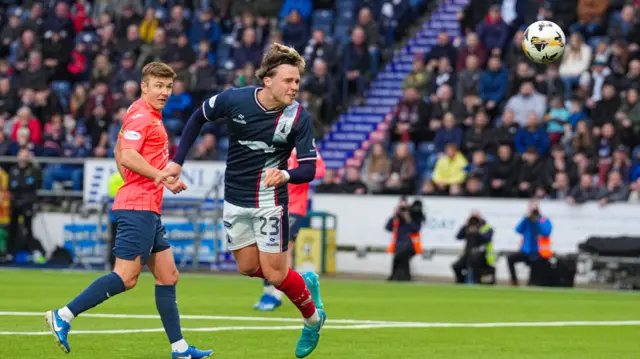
(304, 141)
(134, 132)
(217, 107)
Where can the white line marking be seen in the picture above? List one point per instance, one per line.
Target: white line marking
(199, 317)
(358, 326)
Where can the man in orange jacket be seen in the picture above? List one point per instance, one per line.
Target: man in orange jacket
(405, 227)
(536, 243)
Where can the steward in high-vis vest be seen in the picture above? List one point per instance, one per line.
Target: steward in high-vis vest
(114, 184)
(536, 242)
(405, 227)
(478, 258)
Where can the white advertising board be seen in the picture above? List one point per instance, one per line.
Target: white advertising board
(199, 176)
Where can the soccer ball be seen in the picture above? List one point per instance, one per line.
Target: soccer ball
(543, 42)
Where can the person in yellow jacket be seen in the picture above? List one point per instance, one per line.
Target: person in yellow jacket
(449, 174)
(115, 182)
(405, 227)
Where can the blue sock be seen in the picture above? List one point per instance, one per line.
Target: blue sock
(168, 310)
(100, 290)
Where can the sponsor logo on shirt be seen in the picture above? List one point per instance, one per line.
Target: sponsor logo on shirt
(131, 135)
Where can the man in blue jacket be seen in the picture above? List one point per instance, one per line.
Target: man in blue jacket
(535, 230)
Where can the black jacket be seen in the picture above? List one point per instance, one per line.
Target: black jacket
(23, 184)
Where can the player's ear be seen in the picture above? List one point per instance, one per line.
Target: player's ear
(143, 86)
(267, 81)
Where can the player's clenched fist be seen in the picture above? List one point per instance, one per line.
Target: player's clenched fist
(273, 177)
(172, 169)
(175, 186)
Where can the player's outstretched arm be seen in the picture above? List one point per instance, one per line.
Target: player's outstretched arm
(116, 154)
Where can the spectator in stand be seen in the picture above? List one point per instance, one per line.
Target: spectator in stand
(561, 187)
(472, 47)
(376, 168)
(591, 17)
(582, 140)
(468, 82)
(78, 148)
(353, 184)
(318, 48)
(402, 172)
(556, 119)
(449, 174)
(615, 190)
(330, 183)
(444, 75)
(177, 108)
(24, 119)
(355, 62)
(409, 118)
(533, 177)
(504, 172)
(585, 191)
(449, 133)
(575, 61)
(532, 135)
(294, 31)
(478, 136)
(367, 22)
(494, 32)
(527, 101)
(493, 85)
(443, 48)
(629, 110)
(550, 84)
(505, 132)
(524, 73)
(206, 150)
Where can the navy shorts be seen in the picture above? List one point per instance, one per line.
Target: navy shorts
(138, 233)
(295, 222)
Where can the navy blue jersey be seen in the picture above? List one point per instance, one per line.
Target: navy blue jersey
(259, 139)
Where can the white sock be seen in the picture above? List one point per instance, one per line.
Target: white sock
(180, 346)
(312, 320)
(269, 289)
(277, 294)
(66, 314)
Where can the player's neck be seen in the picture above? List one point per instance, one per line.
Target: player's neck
(267, 100)
(148, 103)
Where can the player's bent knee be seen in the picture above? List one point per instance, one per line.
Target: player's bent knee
(275, 276)
(247, 270)
(170, 278)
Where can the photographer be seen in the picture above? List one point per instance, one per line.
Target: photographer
(535, 249)
(405, 226)
(24, 180)
(478, 253)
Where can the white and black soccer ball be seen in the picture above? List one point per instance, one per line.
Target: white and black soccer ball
(543, 42)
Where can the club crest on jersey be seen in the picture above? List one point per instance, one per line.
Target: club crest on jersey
(285, 123)
(131, 135)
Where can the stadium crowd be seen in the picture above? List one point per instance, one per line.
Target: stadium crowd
(480, 119)
(69, 69)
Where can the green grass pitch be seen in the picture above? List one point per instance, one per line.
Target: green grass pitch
(365, 320)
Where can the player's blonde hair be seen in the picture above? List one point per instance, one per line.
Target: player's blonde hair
(157, 69)
(277, 55)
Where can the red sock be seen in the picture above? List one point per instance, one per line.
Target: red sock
(258, 274)
(295, 288)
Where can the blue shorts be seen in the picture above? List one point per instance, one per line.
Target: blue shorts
(138, 233)
(295, 223)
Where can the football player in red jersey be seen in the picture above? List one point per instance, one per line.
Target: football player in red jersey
(141, 153)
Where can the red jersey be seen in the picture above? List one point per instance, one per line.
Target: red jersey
(299, 193)
(142, 130)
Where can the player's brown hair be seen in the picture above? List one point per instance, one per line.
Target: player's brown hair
(279, 55)
(157, 69)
